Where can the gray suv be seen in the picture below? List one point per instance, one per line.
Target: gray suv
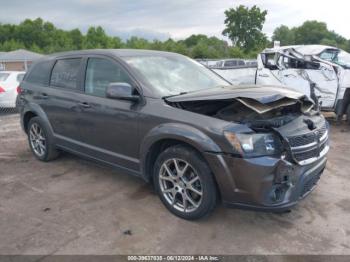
(176, 124)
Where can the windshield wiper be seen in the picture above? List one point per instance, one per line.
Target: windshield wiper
(179, 94)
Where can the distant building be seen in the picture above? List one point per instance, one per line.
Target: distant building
(18, 60)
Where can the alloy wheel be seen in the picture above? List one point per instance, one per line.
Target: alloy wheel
(180, 185)
(37, 140)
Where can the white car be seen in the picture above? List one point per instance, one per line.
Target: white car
(320, 72)
(9, 82)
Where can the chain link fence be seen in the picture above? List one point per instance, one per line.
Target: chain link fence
(8, 111)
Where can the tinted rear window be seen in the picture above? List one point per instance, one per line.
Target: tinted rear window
(3, 76)
(65, 73)
(40, 74)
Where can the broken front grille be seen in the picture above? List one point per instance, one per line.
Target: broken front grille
(308, 138)
(309, 154)
(307, 148)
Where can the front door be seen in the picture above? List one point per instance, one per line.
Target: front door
(109, 127)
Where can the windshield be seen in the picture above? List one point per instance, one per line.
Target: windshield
(3, 76)
(341, 57)
(172, 75)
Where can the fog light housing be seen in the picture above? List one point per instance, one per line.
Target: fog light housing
(277, 193)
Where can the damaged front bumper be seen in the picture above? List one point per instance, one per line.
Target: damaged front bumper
(264, 183)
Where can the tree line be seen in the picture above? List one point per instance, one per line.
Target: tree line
(243, 26)
(310, 32)
(43, 37)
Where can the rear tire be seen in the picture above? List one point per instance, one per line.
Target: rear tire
(184, 182)
(348, 115)
(41, 140)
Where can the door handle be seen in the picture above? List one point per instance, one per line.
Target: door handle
(44, 96)
(84, 105)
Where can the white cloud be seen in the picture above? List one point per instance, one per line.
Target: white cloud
(179, 19)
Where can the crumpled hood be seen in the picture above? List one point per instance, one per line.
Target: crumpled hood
(262, 94)
(259, 98)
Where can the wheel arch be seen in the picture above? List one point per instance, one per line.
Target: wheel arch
(166, 135)
(33, 110)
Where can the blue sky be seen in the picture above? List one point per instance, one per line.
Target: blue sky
(159, 19)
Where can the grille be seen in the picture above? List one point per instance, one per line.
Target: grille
(309, 184)
(310, 143)
(322, 131)
(308, 138)
(309, 154)
(301, 140)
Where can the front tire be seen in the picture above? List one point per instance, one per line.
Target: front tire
(40, 140)
(184, 182)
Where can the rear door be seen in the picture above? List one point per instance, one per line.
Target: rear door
(61, 99)
(109, 127)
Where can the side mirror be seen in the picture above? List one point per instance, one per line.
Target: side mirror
(122, 91)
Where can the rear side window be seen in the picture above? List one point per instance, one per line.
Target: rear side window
(100, 73)
(3, 76)
(65, 73)
(40, 74)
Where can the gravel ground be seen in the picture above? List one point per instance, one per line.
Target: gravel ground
(73, 206)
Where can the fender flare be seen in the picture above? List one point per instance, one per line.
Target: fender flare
(36, 109)
(176, 131)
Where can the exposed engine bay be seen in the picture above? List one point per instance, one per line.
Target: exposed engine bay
(257, 113)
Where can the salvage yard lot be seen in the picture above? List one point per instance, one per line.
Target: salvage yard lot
(73, 206)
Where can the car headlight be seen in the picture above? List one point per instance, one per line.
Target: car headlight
(254, 144)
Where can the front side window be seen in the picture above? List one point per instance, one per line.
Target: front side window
(100, 73)
(339, 57)
(328, 55)
(65, 73)
(343, 59)
(172, 75)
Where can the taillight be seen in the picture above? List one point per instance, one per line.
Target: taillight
(19, 90)
(2, 90)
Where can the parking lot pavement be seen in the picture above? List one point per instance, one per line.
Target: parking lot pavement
(72, 206)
